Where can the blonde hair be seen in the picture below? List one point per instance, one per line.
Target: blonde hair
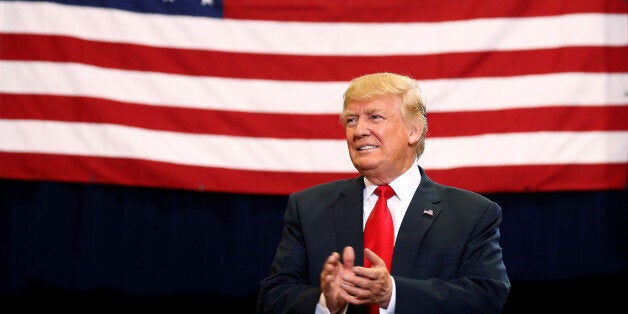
(375, 85)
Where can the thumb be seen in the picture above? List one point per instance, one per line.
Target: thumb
(375, 260)
(348, 258)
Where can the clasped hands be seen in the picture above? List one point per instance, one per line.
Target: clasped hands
(344, 283)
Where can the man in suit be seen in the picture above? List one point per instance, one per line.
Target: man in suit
(447, 257)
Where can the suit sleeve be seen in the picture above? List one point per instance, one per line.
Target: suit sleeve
(286, 289)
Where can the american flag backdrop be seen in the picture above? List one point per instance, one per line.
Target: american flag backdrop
(244, 95)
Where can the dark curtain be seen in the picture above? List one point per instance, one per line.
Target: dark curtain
(71, 244)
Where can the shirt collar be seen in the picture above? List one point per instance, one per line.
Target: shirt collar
(404, 185)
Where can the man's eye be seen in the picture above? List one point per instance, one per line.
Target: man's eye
(351, 121)
(376, 117)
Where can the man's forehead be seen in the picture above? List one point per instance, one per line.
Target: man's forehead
(378, 104)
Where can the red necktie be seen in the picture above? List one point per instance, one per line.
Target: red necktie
(379, 233)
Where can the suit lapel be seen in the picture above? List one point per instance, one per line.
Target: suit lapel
(421, 213)
(348, 219)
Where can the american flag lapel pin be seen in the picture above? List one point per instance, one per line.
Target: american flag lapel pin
(428, 212)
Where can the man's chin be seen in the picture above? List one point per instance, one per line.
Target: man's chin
(365, 166)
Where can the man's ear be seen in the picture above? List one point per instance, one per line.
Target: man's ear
(414, 133)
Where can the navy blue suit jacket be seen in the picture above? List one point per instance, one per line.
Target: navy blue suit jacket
(447, 262)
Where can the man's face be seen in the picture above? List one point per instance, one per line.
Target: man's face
(381, 145)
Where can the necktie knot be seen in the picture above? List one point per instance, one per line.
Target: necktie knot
(384, 191)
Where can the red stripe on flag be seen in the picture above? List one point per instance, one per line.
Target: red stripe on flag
(310, 68)
(303, 126)
(563, 118)
(535, 178)
(154, 174)
(97, 110)
(408, 10)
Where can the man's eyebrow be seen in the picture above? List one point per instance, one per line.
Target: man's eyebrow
(379, 111)
(365, 111)
(346, 114)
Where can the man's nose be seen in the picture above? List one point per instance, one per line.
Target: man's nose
(362, 128)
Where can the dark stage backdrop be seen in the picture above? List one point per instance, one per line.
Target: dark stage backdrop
(70, 246)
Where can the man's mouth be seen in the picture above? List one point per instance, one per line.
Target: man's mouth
(367, 147)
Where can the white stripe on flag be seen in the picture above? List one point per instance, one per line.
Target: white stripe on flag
(303, 38)
(535, 148)
(150, 88)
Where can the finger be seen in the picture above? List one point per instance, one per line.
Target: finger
(364, 273)
(348, 257)
(377, 270)
(331, 264)
(332, 259)
(333, 256)
(355, 291)
(351, 299)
